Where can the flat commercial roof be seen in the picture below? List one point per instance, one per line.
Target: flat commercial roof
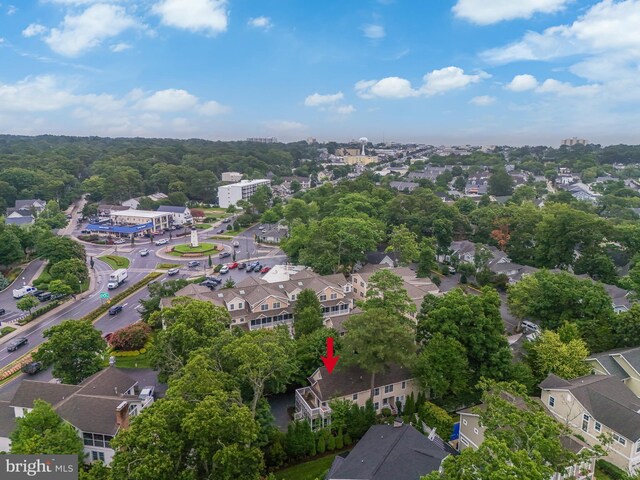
(96, 227)
(139, 214)
(246, 183)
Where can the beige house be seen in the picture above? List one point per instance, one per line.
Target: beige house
(594, 405)
(472, 435)
(255, 303)
(624, 364)
(353, 384)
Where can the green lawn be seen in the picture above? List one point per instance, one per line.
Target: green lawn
(315, 469)
(600, 475)
(202, 226)
(6, 331)
(202, 248)
(43, 280)
(115, 261)
(167, 266)
(141, 361)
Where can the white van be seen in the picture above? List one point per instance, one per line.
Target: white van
(21, 292)
(529, 325)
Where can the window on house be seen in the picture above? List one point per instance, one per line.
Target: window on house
(361, 294)
(585, 422)
(231, 306)
(464, 421)
(376, 392)
(276, 305)
(404, 385)
(464, 441)
(293, 297)
(240, 305)
(354, 397)
(638, 447)
(597, 426)
(388, 388)
(323, 298)
(475, 430)
(361, 283)
(264, 306)
(334, 296)
(95, 456)
(376, 406)
(552, 402)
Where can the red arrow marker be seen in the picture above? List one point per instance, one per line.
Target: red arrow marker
(330, 361)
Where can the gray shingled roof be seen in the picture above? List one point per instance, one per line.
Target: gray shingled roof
(7, 419)
(172, 209)
(390, 453)
(93, 413)
(19, 220)
(350, 380)
(110, 381)
(612, 367)
(607, 399)
(30, 390)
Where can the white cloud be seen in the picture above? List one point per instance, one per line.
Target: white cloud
(373, 31)
(11, 9)
(316, 99)
(483, 100)
(207, 16)
(285, 126)
(120, 47)
(170, 100)
(486, 12)
(520, 83)
(212, 108)
(79, 33)
(260, 22)
(33, 30)
(344, 109)
(437, 81)
(551, 85)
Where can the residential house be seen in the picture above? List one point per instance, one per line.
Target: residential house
(478, 184)
(134, 203)
(582, 191)
(24, 212)
(181, 215)
(404, 186)
(391, 452)
(274, 233)
(97, 408)
(594, 405)
(19, 217)
(33, 206)
(391, 387)
(305, 182)
(390, 259)
(623, 363)
(461, 251)
(255, 303)
(472, 434)
(430, 172)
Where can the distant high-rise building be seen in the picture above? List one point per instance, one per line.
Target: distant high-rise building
(262, 139)
(574, 141)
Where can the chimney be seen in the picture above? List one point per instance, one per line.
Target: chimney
(122, 415)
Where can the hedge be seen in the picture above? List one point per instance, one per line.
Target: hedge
(132, 353)
(39, 312)
(6, 331)
(611, 470)
(102, 309)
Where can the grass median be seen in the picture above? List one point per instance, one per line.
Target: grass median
(115, 261)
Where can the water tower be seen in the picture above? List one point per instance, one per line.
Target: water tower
(363, 141)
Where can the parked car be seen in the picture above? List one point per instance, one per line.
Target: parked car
(140, 309)
(43, 296)
(215, 280)
(242, 266)
(119, 241)
(144, 252)
(193, 264)
(226, 220)
(162, 241)
(233, 265)
(85, 232)
(529, 325)
(209, 284)
(222, 230)
(224, 269)
(17, 343)
(257, 267)
(57, 296)
(224, 255)
(265, 269)
(173, 271)
(115, 309)
(32, 368)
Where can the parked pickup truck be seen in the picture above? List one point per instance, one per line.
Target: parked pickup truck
(117, 278)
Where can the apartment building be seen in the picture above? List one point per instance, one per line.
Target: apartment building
(574, 141)
(255, 303)
(391, 388)
(242, 190)
(472, 434)
(621, 363)
(231, 176)
(594, 405)
(97, 408)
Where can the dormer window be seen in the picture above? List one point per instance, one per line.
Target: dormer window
(323, 298)
(264, 306)
(231, 306)
(240, 305)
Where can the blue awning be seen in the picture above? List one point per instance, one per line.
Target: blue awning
(128, 229)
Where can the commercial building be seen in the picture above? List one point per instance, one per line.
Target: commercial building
(231, 176)
(262, 139)
(574, 141)
(243, 190)
(359, 159)
(160, 220)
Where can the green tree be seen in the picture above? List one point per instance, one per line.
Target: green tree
(230, 283)
(10, 248)
(376, 339)
(27, 303)
(59, 287)
(386, 290)
(74, 348)
(550, 354)
(436, 417)
(189, 325)
(74, 266)
(500, 183)
(443, 233)
(404, 243)
(626, 327)
(309, 348)
(261, 199)
(307, 321)
(442, 367)
(42, 430)
(427, 258)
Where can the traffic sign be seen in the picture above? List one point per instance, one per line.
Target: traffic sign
(104, 294)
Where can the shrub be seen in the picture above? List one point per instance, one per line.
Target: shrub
(321, 445)
(132, 337)
(386, 412)
(4, 283)
(339, 440)
(436, 280)
(347, 439)
(6, 331)
(611, 470)
(331, 443)
(37, 313)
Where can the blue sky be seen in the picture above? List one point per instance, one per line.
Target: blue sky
(438, 71)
